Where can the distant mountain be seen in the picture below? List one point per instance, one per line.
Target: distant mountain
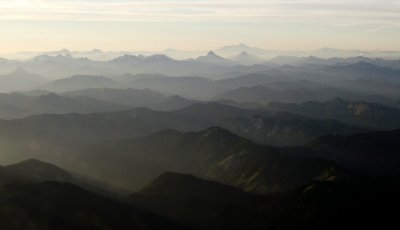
(231, 50)
(360, 113)
(138, 121)
(134, 98)
(32, 137)
(315, 59)
(129, 78)
(196, 88)
(20, 80)
(79, 82)
(36, 93)
(16, 105)
(262, 126)
(214, 59)
(246, 58)
(254, 79)
(174, 103)
(126, 97)
(273, 82)
(359, 81)
(163, 65)
(140, 59)
(241, 105)
(265, 94)
(307, 84)
(373, 87)
(266, 127)
(257, 94)
(8, 66)
(159, 59)
(62, 64)
(285, 60)
(293, 60)
(127, 59)
(213, 112)
(285, 129)
(332, 52)
(363, 70)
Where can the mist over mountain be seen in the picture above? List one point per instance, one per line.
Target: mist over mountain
(214, 59)
(225, 51)
(199, 115)
(360, 113)
(78, 82)
(134, 98)
(247, 58)
(20, 80)
(32, 199)
(17, 105)
(264, 95)
(212, 153)
(238, 137)
(220, 63)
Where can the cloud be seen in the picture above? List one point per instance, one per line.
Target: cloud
(183, 23)
(330, 11)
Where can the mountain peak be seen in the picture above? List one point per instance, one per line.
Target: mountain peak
(125, 58)
(211, 54)
(213, 58)
(34, 170)
(159, 57)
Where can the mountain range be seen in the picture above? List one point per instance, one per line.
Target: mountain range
(360, 113)
(215, 64)
(236, 138)
(32, 198)
(227, 153)
(183, 201)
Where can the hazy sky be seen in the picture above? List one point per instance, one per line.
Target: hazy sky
(198, 24)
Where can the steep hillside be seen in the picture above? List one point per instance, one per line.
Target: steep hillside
(213, 153)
